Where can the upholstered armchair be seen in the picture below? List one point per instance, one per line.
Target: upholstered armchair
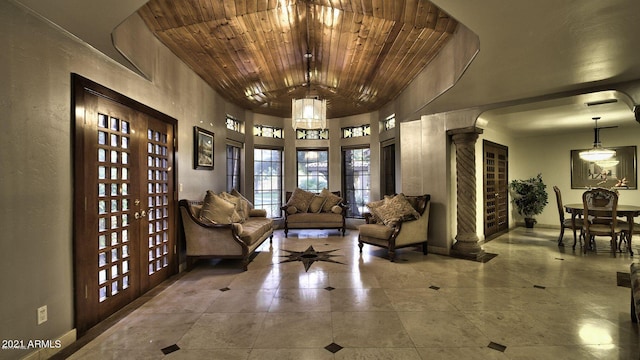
(397, 231)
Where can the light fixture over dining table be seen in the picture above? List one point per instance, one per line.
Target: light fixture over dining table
(597, 153)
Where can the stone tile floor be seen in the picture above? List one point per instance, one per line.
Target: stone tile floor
(534, 300)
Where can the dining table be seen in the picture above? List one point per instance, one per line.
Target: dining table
(628, 211)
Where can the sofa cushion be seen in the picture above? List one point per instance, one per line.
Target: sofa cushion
(254, 229)
(301, 199)
(377, 231)
(316, 203)
(257, 213)
(331, 200)
(311, 218)
(217, 210)
(395, 209)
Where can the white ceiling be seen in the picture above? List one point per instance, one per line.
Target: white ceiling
(528, 49)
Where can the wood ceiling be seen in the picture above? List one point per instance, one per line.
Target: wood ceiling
(252, 52)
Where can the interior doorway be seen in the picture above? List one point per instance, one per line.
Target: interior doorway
(124, 201)
(496, 188)
(388, 168)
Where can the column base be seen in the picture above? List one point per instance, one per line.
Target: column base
(467, 247)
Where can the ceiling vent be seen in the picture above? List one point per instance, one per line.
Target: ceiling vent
(602, 102)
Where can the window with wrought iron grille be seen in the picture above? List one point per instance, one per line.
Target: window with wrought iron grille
(268, 131)
(312, 134)
(356, 131)
(389, 122)
(234, 124)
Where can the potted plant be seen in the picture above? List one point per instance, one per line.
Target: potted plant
(530, 197)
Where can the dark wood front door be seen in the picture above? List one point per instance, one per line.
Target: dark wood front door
(496, 206)
(124, 202)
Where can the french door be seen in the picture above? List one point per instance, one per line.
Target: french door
(124, 202)
(496, 206)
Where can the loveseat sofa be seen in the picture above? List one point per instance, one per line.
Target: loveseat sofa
(219, 228)
(396, 222)
(308, 210)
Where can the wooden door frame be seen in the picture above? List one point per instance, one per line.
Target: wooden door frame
(80, 88)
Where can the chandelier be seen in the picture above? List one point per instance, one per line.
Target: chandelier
(309, 112)
(597, 153)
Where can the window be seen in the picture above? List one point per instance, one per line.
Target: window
(267, 180)
(313, 170)
(389, 122)
(357, 180)
(267, 131)
(313, 134)
(356, 131)
(234, 124)
(233, 167)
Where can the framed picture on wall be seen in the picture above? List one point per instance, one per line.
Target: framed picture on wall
(202, 149)
(620, 172)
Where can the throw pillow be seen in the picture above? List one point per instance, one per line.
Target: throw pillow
(395, 209)
(235, 192)
(239, 214)
(216, 209)
(301, 199)
(316, 204)
(376, 204)
(331, 200)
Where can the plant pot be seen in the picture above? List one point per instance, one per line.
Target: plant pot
(529, 222)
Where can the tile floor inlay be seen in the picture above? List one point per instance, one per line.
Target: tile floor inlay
(333, 347)
(309, 256)
(496, 346)
(169, 349)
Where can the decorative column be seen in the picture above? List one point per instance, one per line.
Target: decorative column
(466, 245)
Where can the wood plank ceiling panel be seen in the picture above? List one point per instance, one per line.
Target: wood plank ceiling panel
(365, 52)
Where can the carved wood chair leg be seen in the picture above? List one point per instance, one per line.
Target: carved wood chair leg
(392, 255)
(425, 251)
(560, 243)
(360, 245)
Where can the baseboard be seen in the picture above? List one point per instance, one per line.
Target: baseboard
(47, 352)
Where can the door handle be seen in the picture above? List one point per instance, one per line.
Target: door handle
(140, 215)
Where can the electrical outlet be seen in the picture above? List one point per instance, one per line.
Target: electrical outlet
(42, 314)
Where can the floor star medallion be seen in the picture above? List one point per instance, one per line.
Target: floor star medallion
(310, 256)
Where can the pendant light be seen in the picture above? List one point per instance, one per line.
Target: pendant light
(309, 112)
(597, 152)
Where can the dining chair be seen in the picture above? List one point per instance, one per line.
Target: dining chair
(565, 223)
(601, 205)
(625, 236)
